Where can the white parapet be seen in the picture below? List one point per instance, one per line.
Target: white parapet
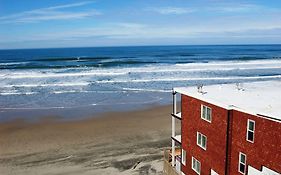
(268, 171)
(257, 98)
(265, 171)
(253, 171)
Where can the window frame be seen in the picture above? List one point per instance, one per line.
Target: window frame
(202, 113)
(201, 144)
(183, 156)
(252, 131)
(196, 163)
(240, 162)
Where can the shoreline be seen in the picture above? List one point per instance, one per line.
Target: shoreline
(76, 113)
(129, 142)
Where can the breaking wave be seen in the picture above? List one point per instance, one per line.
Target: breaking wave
(69, 78)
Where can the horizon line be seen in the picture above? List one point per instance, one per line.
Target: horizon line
(76, 47)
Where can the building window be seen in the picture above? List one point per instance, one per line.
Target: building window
(250, 130)
(206, 113)
(201, 140)
(196, 166)
(242, 163)
(183, 157)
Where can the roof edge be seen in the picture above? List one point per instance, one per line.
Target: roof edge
(200, 96)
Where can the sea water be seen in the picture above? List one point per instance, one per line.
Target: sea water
(73, 83)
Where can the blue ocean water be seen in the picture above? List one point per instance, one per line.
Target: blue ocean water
(80, 82)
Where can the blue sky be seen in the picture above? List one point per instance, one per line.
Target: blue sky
(69, 23)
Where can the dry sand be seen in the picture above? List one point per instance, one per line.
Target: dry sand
(114, 143)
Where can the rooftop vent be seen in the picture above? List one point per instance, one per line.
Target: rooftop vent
(239, 87)
(200, 89)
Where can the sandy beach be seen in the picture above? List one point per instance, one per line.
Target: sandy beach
(107, 87)
(113, 143)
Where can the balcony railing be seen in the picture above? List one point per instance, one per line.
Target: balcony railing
(168, 168)
(177, 138)
(177, 115)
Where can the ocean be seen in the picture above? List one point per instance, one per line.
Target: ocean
(74, 83)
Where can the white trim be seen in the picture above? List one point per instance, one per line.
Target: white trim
(183, 157)
(197, 161)
(203, 117)
(173, 152)
(240, 153)
(182, 90)
(248, 130)
(174, 102)
(201, 144)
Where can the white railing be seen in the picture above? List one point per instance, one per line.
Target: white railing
(175, 137)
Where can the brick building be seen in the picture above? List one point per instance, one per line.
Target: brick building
(227, 129)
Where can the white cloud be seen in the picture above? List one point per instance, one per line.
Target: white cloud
(235, 7)
(133, 33)
(69, 5)
(215, 7)
(130, 25)
(123, 31)
(170, 10)
(49, 13)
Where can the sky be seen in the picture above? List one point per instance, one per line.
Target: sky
(87, 23)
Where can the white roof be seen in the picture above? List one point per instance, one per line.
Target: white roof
(258, 98)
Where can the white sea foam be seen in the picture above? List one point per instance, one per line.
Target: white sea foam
(215, 66)
(57, 75)
(27, 108)
(70, 91)
(184, 67)
(66, 81)
(46, 85)
(211, 66)
(18, 93)
(202, 69)
(190, 79)
(146, 90)
(82, 91)
(223, 63)
(63, 92)
(12, 63)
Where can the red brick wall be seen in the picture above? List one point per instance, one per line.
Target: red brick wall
(214, 156)
(266, 149)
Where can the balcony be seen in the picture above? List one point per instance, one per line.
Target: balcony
(176, 131)
(177, 115)
(176, 124)
(168, 168)
(177, 138)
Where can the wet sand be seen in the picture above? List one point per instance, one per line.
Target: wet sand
(113, 143)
